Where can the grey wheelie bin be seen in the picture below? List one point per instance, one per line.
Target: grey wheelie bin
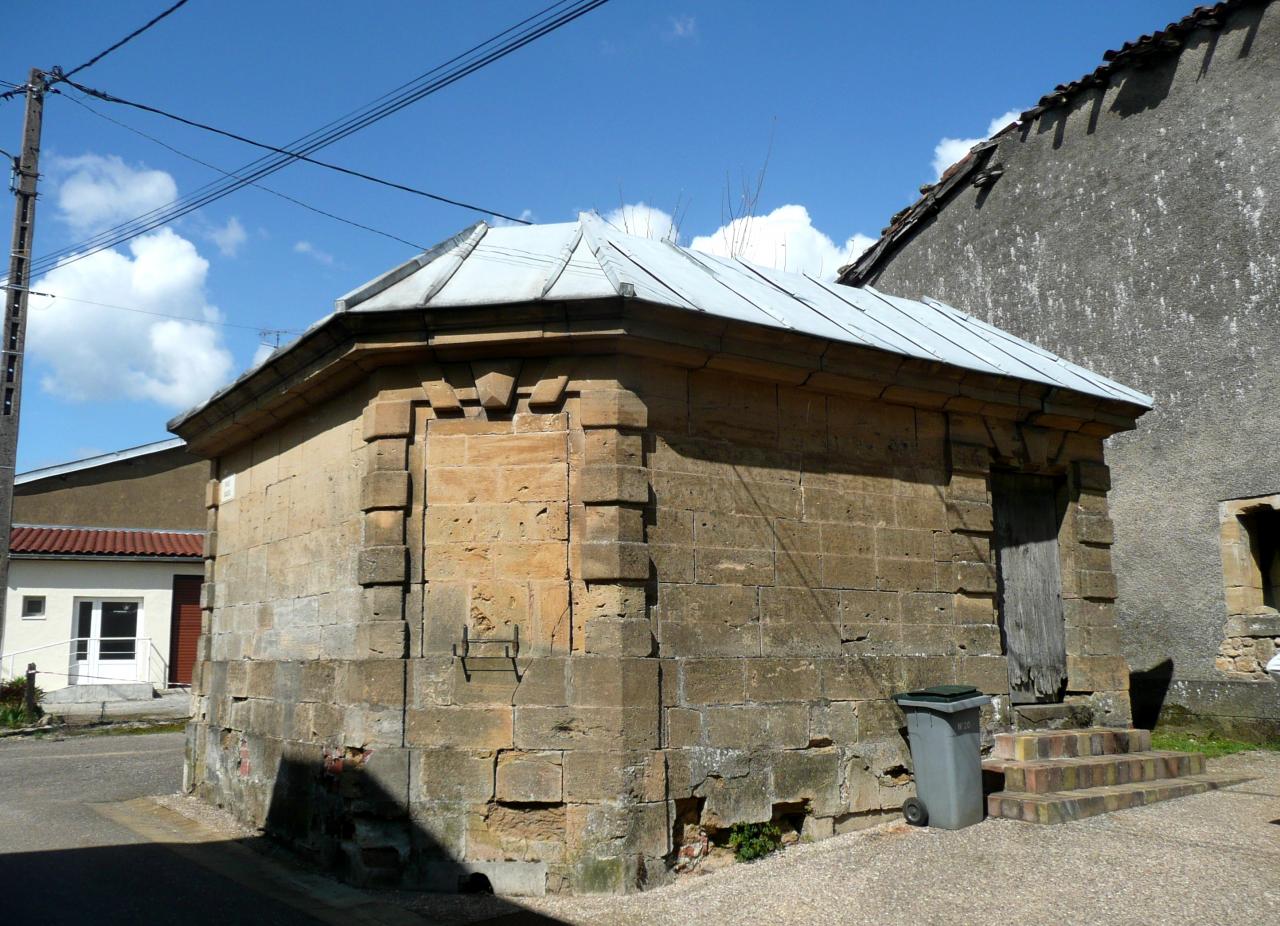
(942, 724)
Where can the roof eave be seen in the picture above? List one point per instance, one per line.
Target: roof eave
(347, 347)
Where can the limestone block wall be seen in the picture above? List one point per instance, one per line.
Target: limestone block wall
(715, 580)
(282, 685)
(813, 554)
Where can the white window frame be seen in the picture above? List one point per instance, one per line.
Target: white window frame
(44, 608)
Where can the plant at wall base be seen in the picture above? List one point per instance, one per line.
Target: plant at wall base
(13, 712)
(751, 841)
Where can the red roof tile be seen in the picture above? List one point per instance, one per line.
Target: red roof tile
(89, 541)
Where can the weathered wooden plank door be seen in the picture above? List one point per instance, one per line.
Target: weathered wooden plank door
(1029, 585)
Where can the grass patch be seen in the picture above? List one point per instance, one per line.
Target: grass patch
(124, 728)
(1211, 744)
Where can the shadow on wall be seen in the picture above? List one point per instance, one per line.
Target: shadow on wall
(1147, 692)
(348, 815)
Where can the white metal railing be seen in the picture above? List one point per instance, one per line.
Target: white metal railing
(86, 660)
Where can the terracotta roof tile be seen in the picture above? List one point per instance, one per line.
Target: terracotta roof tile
(92, 541)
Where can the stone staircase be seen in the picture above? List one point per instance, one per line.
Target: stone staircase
(1054, 776)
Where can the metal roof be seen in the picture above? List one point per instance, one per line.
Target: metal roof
(589, 259)
(39, 540)
(61, 469)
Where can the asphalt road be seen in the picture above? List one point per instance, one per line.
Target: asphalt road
(64, 862)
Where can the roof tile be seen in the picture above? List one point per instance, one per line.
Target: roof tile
(88, 541)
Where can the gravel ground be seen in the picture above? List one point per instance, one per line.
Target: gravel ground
(1208, 859)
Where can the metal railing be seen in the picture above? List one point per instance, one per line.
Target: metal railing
(85, 660)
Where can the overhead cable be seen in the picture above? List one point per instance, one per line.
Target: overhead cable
(553, 17)
(526, 30)
(181, 318)
(265, 189)
(107, 97)
(59, 74)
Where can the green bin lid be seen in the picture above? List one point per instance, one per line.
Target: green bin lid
(939, 693)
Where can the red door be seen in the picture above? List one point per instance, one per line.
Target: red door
(185, 629)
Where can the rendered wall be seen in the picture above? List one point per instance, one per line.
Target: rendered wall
(61, 582)
(158, 491)
(1134, 231)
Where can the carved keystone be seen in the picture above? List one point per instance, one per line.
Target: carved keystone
(496, 385)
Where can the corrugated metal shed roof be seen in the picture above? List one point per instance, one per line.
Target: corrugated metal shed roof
(588, 259)
(37, 540)
(62, 469)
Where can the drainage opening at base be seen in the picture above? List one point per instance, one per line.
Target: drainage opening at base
(474, 883)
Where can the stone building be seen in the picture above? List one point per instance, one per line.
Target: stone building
(555, 552)
(1129, 222)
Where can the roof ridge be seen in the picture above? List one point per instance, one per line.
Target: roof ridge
(127, 530)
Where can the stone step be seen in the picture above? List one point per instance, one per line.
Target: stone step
(1064, 806)
(1061, 744)
(1042, 776)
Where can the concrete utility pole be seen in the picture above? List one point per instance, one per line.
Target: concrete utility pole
(14, 332)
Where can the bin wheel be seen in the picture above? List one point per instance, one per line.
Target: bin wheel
(914, 811)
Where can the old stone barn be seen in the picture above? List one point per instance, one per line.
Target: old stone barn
(555, 551)
(1129, 222)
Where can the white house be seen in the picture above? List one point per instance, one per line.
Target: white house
(105, 569)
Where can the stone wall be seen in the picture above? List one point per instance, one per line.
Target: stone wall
(715, 581)
(814, 554)
(1134, 231)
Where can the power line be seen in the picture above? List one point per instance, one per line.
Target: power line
(548, 20)
(57, 72)
(108, 98)
(181, 318)
(265, 189)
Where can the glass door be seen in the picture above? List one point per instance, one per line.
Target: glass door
(105, 647)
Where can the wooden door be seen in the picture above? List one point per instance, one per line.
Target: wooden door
(184, 630)
(1029, 584)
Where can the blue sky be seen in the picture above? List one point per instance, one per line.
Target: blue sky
(655, 102)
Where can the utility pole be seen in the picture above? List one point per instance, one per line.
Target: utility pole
(14, 332)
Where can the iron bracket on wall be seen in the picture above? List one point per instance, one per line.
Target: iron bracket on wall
(510, 649)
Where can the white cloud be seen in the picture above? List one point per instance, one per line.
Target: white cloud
(497, 221)
(643, 220)
(100, 192)
(309, 249)
(97, 353)
(950, 150)
(262, 352)
(683, 27)
(786, 239)
(229, 237)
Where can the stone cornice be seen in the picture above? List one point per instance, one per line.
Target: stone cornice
(348, 346)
